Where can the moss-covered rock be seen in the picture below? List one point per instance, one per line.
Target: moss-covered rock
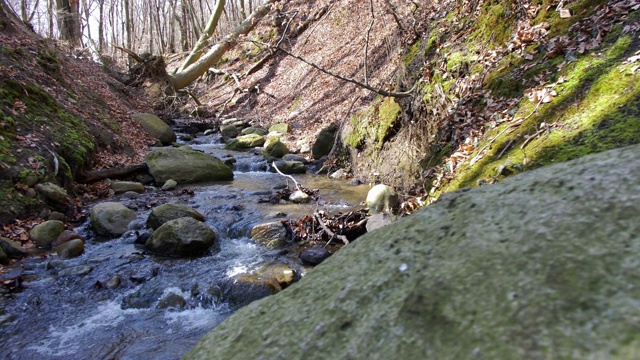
(185, 165)
(273, 233)
(46, 233)
(185, 236)
(274, 147)
(111, 218)
(323, 144)
(281, 128)
(155, 127)
(120, 187)
(244, 142)
(230, 131)
(166, 212)
(541, 265)
(290, 167)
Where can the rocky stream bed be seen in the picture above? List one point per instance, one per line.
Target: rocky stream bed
(117, 300)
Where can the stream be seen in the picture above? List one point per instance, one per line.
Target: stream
(66, 308)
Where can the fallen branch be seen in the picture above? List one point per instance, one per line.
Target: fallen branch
(102, 174)
(329, 232)
(287, 176)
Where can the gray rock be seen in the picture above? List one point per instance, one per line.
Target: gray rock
(277, 272)
(12, 249)
(3, 257)
(66, 236)
(182, 237)
(111, 218)
(340, 174)
(120, 187)
(378, 221)
(245, 289)
(45, 234)
(167, 212)
(324, 142)
(186, 166)
(55, 215)
(53, 192)
(541, 265)
(172, 301)
(169, 185)
(113, 282)
(293, 157)
(299, 197)
(230, 131)
(70, 249)
(381, 198)
(155, 127)
(31, 180)
(273, 233)
(314, 255)
(290, 167)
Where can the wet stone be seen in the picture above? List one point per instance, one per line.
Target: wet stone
(172, 301)
(314, 255)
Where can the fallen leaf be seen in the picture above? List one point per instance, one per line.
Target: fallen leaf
(565, 13)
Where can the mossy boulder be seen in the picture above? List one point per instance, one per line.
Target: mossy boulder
(44, 234)
(181, 237)
(272, 233)
(324, 142)
(274, 147)
(541, 265)
(230, 131)
(155, 127)
(12, 249)
(280, 128)
(244, 142)
(111, 218)
(167, 212)
(186, 165)
(53, 192)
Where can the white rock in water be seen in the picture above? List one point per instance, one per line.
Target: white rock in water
(381, 198)
(299, 197)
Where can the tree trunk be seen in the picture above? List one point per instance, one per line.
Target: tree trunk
(192, 72)
(69, 20)
(196, 52)
(101, 27)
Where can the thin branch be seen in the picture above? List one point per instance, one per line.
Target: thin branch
(329, 232)
(366, 44)
(392, 9)
(287, 176)
(286, 28)
(379, 91)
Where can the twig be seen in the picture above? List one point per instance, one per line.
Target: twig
(506, 147)
(366, 45)
(329, 232)
(286, 28)
(287, 176)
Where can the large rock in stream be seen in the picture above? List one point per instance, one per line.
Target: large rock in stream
(185, 236)
(543, 265)
(186, 165)
(111, 218)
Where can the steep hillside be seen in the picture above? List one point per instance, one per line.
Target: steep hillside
(60, 114)
(500, 87)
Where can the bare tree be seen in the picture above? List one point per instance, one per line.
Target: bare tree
(68, 12)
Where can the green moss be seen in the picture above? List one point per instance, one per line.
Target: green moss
(559, 26)
(414, 50)
(48, 60)
(495, 23)
(596, 110)
(41, 114)
(456, 60)
(14, 204)
(387, 116)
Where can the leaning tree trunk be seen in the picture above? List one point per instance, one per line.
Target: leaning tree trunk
(197, 50)
(192, 72)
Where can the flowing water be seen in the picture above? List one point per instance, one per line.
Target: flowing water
(58, 316)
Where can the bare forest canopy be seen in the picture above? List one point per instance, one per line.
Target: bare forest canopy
(143, 26)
